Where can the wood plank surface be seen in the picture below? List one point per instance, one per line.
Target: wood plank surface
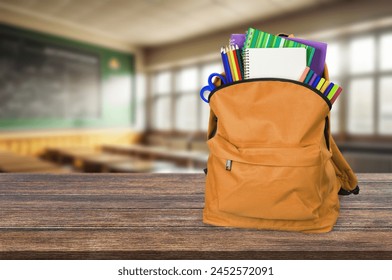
(159, 216)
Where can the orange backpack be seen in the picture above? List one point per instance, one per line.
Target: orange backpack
(273, 163)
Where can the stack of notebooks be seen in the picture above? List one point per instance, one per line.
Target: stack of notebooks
(265, 55)
(259, 39)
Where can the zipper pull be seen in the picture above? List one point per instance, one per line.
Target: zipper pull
(228, 164)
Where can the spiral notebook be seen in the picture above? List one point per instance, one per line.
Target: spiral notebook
(259, 39)
(286, 63)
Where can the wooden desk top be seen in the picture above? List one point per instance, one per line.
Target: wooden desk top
(159, 216)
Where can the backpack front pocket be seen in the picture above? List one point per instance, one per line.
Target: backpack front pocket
(280, 183)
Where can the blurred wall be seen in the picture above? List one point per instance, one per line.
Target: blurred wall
(314, 21)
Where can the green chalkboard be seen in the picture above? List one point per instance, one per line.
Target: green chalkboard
(48, 81)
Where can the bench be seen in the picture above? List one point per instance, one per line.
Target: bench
(97, 163)
(159, 216)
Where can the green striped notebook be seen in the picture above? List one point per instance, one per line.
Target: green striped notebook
(259, 39)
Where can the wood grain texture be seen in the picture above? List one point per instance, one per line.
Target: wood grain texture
(159, 216)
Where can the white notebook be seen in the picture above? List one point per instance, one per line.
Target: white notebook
(287, 63)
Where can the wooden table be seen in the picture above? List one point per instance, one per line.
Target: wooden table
(158, 216)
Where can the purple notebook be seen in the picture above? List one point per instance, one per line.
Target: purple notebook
(320, 54)
(237, 39)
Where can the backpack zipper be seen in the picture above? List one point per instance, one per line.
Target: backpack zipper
(229, 163)
(272, 79)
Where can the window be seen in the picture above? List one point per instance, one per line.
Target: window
(187, 82)
(385, 85)
(385, 104)
(176, 105)
(360, 109)
(334, 58)
(385, 52)
(363, 67)
(362, 55)
(161, 111)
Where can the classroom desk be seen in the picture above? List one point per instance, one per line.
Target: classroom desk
(33, 166)
(97, 162)
(67, 155)
(10, 162)
(159, 216)
(185, 158)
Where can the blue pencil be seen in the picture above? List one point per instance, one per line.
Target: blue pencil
(226, 65)
(316, 81)
(328, 89)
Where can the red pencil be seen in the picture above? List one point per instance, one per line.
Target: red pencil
(337, 93)
(237, 66)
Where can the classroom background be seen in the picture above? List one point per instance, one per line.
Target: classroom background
(113, 85)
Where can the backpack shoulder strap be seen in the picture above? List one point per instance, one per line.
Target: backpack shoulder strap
(348, 180)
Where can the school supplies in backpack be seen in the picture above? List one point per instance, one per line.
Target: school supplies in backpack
(326, 87)
(273, 163)
(259, 39)
(286, 63)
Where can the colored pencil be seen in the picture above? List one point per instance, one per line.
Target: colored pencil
(237, 67)
(232, 64)
(309, 76)
(320, 84)
(324, 87)
(316, 81)
(239, 57)
(328, 89)
(304, 74)
(332, 92)
(312, 79)
(336, 95)
(226, 65)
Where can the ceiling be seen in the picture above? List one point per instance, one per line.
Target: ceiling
(153, 22)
